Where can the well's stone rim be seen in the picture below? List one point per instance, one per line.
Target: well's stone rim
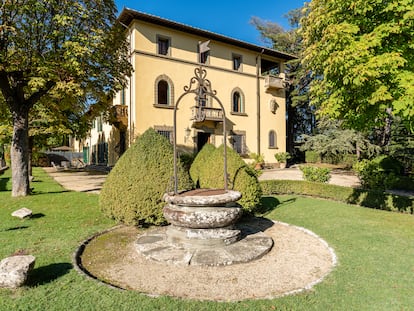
(203, 200)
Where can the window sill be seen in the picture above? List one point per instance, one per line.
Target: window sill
(242, 114)
(163, 106)
(273, 147)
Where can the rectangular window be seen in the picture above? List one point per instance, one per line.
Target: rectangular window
(204, 57)
(166, 131)
(163, 45)
(99, 124)
(204, 52)
(166, 134)
(239, 142)
(237, 62)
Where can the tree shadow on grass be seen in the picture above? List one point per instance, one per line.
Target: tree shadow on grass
(270, 203)
(15, 228)
(49, 192)
(3, 183)
(251, 225)
(267, 204)
(381, 200)
(47, 274)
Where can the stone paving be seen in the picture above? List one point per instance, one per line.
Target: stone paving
(294, 173)
(92, 181)
(78, 179)
(155, 245)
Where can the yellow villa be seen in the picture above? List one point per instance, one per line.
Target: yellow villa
(248, 80)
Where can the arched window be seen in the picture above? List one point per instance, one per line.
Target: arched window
(164, 90)
(272, 139)
(237, 101)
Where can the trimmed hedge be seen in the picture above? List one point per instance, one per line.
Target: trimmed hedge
(207, 172)
(346, 159)
(133, 191)
(366, 198)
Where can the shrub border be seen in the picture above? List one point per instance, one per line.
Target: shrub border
(366, 198)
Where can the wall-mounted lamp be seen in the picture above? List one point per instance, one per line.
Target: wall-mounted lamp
(187, 132)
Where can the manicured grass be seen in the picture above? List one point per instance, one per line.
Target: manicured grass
(375, 250)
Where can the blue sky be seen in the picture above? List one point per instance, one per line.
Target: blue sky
(229, 18)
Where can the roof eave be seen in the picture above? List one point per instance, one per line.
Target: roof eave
(128, 15)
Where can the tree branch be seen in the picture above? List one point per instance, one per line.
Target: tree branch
(35, 97)
(5, 86)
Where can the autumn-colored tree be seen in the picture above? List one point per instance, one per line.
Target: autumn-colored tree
(361, 54)
(68, 55)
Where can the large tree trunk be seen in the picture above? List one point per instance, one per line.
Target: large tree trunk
(20, 153)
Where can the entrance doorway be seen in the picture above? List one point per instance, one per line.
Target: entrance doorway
(202, 139)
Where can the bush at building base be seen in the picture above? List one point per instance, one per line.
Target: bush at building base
(132, 193)
(208, 171)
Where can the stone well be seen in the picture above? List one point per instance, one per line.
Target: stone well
(203, 217)
(203, 231)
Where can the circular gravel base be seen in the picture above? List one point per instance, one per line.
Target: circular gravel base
(298, 260)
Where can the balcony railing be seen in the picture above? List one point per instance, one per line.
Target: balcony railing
(273, 83)
(119, 116)
(211, 114)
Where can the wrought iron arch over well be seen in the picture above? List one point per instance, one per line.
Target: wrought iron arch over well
(201, 87)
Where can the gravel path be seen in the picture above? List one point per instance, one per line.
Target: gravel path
(87, 181)
(294, 173)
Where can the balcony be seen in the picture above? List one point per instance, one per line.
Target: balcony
(273, 83)
(210, 114)
(119, 116)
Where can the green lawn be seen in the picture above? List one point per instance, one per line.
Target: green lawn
(375, 250)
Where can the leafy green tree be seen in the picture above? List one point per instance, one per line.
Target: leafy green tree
(69, 55)
(288, 41)
(361, 54)
(332, 140)
(401, 145)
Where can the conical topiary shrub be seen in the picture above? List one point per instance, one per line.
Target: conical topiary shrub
(241, 177)
(132, 193)
(199, 162)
